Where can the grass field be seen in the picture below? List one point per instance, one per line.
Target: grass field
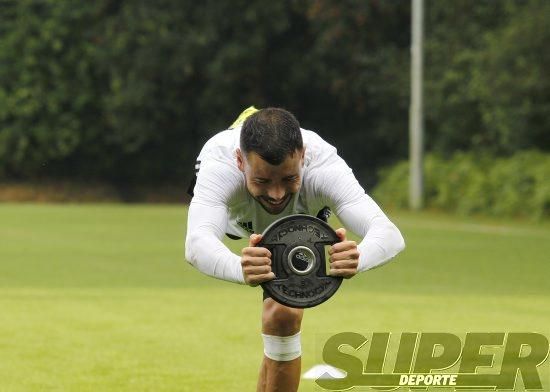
(100, 298)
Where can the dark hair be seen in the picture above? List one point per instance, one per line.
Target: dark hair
(271, 133)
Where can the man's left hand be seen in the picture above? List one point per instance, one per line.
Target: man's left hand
(344, 256)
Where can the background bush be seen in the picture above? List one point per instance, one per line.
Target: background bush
(467, 183)
(128, 91)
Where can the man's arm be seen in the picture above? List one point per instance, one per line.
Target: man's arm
(205, 250)
(206, 225)
(207, 222)
(338, 187)
(382, 240)
(203, 246)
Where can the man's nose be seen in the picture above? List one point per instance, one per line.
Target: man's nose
(276, 193)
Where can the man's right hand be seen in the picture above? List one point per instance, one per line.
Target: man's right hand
(256, 262)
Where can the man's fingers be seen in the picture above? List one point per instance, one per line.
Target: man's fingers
(256, 252)
(256, 270)
(352, 254)
(256, 262)
(343, 264)
(345, 268)
(254, 239)
(341, 233)
(342, 247)
(344, 256)
(255, 280)
(252, 261)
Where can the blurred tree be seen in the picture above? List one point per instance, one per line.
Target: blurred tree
(487, 87)
(356, 89)
(49, 96)
(511, 81)
(128, 91)
(454, 38)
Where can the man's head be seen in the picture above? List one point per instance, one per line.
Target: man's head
(271, 156)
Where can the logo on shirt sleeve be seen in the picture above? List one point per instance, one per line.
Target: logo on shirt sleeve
(247, 226)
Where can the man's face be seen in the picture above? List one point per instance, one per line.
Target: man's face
(272, 186)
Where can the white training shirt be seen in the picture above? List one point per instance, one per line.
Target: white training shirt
(221, 204)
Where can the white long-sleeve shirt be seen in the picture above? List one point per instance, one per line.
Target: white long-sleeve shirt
(222, 205)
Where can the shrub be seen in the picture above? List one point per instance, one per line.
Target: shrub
(468, 183)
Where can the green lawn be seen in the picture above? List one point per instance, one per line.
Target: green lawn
(100, 298)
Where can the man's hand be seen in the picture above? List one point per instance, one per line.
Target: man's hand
(344, 256)
(256, 262)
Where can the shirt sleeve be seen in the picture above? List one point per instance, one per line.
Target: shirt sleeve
(336, 186)
(207, 221)
(382, 240)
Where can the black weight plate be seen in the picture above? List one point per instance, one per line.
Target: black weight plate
(297, 244)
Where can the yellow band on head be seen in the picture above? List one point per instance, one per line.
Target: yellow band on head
(243, 116)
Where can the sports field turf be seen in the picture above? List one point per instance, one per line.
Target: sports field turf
(100, 298)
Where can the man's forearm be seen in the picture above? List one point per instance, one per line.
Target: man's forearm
(210, 256)
(203, 246)
(381, 241)
(380, 245)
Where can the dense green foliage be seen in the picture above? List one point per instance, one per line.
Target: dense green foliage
(468, 183)
(487, 84)
(128, 91)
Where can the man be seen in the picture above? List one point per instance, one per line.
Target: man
(255, 173)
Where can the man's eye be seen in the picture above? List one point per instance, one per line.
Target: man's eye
(258, 181)
(291, 179)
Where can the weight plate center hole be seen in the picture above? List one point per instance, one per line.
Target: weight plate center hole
(301, 260)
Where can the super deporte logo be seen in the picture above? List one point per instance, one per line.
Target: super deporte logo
(472, 361)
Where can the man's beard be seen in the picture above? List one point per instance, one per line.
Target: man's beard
(271, 208)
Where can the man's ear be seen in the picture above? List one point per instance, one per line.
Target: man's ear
(240, 160)
(303, 158)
